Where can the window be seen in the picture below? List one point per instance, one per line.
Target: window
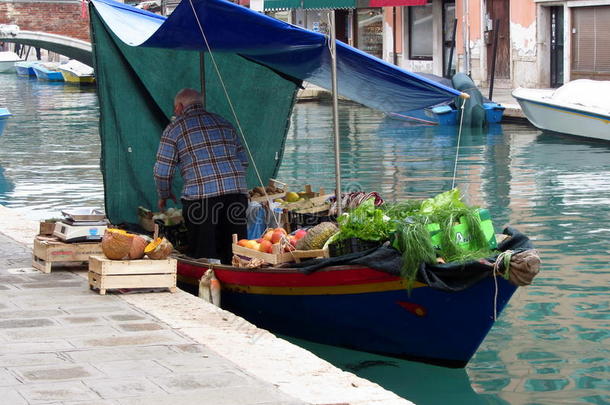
(420, 32)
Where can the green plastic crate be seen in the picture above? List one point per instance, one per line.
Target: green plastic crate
(462, 232)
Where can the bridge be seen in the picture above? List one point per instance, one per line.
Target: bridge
(58, 26)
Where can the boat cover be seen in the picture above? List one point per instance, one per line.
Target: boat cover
(142, 59)
(446, 277)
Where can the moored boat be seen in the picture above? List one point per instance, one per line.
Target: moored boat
(7, 61)
(258, 65)
(4, 116)
(580, 108)
(25, 68)
(368, 309)
(48, 71)
(76, 72)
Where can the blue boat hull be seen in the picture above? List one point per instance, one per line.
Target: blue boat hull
(49, 75)
(363, 309)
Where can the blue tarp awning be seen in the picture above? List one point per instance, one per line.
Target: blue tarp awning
(288, 49)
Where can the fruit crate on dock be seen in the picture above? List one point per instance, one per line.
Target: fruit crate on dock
(277, 257)
(49, 252)
(106, 274)
(275, 189)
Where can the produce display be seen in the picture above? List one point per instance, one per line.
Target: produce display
(158, 249)
(274, 240)
(440, 229)
(317, 236)
(118, 244)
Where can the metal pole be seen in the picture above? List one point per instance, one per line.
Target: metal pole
(493, 57)
(333, 75)
(395, 57)
(202, 76)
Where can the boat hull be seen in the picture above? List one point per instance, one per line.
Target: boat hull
(74, 78)
(25, 68)
(364, 309)
(48, 75)
(571, 120)
(7, 66)
(4, 116)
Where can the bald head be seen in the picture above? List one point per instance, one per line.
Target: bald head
(185, 98)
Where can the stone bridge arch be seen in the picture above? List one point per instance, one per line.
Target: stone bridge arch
(56, 25)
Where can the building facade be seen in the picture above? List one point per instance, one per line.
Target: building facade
(539, 43)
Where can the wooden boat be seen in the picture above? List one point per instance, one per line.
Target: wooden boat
(580, 108)
(4, 116)
(7, 61)
(362, 308)
(25, 68)
(263, 63)
(48, 71)
(76, 72)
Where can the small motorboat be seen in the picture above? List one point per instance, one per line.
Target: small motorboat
(76, 72)
(48, 71)
(4, 115)
(580, 107)
(7, 61)
(25, 68)
(478, 111)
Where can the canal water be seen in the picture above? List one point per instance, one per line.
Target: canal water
(552, 343)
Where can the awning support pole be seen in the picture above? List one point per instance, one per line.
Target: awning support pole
(333, 75)
(202, 76)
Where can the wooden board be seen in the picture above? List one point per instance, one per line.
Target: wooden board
(105, 274)
(278, 258)
(269, 197)
(49, 251)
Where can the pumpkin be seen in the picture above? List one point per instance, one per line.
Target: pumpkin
(138, 245)
(116, 243)
(159, 249)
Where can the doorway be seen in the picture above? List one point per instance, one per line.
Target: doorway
(556, 46)
(498, 14)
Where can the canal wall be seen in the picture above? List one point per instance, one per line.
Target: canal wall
(268, 362)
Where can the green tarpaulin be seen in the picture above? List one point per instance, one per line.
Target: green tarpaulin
(136, 87)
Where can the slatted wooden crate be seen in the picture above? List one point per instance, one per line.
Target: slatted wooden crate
(49, 252)
(106, 274)
(277, 257)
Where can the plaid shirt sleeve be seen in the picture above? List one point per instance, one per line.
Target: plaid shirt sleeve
(167, 160)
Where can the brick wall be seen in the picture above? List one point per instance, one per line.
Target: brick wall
(53, 17)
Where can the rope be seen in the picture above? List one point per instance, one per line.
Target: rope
(457, 149)
(239, 127)
(503, 258)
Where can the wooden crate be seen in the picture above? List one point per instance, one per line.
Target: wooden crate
(106, 274)
(277, 257)
(46, 228)
(48, 252)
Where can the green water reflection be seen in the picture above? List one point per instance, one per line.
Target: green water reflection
(550, 346)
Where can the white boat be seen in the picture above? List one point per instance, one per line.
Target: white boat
(7, 61)
(580, 107)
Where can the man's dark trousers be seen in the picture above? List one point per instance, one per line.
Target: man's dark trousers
(211, 222)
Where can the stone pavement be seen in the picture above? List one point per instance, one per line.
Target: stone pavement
(61, 343)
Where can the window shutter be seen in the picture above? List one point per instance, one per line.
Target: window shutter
(591, 42)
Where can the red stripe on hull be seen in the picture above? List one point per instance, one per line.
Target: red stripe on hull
(289, 278)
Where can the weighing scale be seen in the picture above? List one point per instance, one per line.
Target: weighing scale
(81, 225)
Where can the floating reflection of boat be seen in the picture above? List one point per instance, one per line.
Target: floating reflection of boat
(4, 115)
(25, 68)
(48, 71)
(580, 107)
(76, 72)
(7, 61)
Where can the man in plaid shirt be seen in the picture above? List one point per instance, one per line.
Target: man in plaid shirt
(212, 162)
